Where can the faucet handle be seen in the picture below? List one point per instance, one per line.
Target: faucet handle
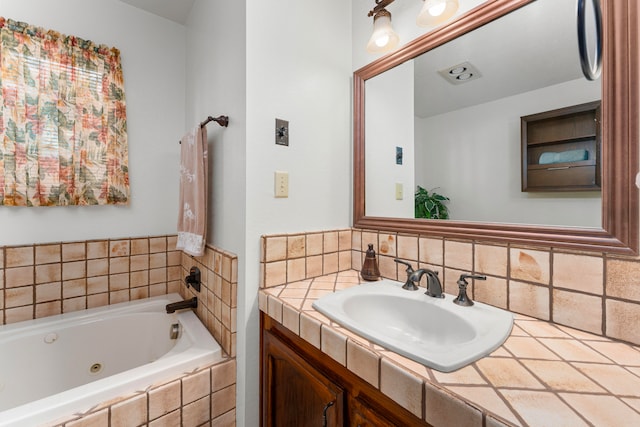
(408, 285)
(462, 298)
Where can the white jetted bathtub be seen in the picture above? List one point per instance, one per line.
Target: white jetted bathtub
(59, 365)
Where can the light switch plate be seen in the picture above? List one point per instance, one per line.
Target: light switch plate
(399, 191)
(282, 132)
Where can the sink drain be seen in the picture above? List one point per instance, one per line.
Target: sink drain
(95, 368)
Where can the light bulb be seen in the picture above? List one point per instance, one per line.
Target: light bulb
(435, 12)
(438, 8)
(383, 38)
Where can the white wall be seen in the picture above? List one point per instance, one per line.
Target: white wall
(153, 61)
(389, 125)
(473, 156)
(257, 61)
(216, 84)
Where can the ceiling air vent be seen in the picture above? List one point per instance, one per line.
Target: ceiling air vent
(460, 73)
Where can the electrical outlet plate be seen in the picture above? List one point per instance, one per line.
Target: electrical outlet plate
(399, 191)
(281, 184)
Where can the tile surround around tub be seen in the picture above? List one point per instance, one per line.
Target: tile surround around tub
(46, 279)
(545, 283)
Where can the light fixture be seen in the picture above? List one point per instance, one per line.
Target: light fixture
(435, 12)
(383, 38)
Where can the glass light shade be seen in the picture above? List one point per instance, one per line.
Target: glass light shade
(435, 12)
(383, 38)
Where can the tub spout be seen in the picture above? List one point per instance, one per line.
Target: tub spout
(188, 303)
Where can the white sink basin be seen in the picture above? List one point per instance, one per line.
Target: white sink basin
(433, 331)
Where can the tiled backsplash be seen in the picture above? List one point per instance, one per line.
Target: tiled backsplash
(595, 292)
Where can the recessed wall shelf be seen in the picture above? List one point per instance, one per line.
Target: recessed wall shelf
(561, 149)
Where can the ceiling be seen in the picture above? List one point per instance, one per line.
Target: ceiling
(531, 48)
(174, 10)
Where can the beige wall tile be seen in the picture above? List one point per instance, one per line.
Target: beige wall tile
(157, 244)
(408, 248)
(158, 260)
(223, 401)
(74, 270)
(97, 249)
(48, 253)
(73, 251)
(330, 263)
(458, 255)
(344, 260)
(402, 387)
(314, 244)
(49, 292)
(330, 241)
(96, 285)
(363, 362)
(118, 248)
(75, 304)
(531, 300)
(387, 245)
(529, 265)
(296, 269)
(579, 272)
(164, 399)
(344, 240)
(19, 276)
(47, 309)
(491, 259)
(442, 409)
(18, 314)
(97, 267)
(569, 309)
(130, 412)
(15, 297)
(139, 246)
(118, 265)
(223, 375)
(619, 315)
(356, 240)
(431, 251)
(368, 238)
(623, 279)
(492, 291)
(97, 300)
(296, 246)
(197, 413)
(275, 248)
(48, 273)
(275, 273)
(196, 386)
(19, 256)
(389, 269)
(228, 419)
(139, 262)
(172, 419)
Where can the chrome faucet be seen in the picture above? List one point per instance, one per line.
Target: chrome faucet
(434, 287)
(180, 305)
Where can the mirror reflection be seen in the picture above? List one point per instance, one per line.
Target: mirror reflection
(449, 121)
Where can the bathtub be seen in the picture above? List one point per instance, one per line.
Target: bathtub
(59, 365)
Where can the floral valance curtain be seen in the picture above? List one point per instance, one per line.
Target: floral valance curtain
(63, 124)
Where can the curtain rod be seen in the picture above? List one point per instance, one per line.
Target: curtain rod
(221, 120)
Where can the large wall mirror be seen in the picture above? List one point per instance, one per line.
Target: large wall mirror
(417, 124)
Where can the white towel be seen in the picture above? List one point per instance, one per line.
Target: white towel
(192, 213)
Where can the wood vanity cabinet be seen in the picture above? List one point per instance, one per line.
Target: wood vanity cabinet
(298, 381)
(561, 149)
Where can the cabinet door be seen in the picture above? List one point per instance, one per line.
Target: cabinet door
(294, 393)
(362, 414)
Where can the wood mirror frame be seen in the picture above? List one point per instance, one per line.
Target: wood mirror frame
(620, 134)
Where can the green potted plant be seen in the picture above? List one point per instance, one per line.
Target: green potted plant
(430, 205)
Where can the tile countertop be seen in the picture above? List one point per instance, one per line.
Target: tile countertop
(543, 375)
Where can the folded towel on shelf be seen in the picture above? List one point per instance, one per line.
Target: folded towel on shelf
(192, 208)
(563, 157)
